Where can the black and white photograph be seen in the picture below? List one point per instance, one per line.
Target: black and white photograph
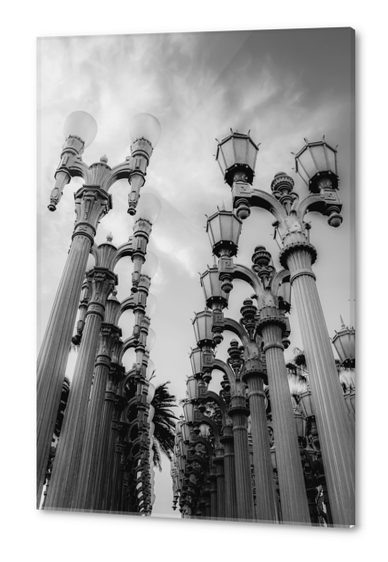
(196, 276)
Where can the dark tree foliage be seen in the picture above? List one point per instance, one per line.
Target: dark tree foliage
(164, 420)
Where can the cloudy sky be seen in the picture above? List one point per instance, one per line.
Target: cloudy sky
(282, 85)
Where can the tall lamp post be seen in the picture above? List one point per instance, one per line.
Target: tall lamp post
(92, 202)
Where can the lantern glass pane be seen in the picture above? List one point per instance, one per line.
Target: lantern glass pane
(192, 388)
(318, 153)
(226, 225)
(214, 229)
(307, 166)
(252, 155)
(241, 150)
(228, 153)
(331, 158)
(206, 284)
(185, 432)
(188, 410)
(196, 361)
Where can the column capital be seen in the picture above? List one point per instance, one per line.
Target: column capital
(91, 204)
(296, 242)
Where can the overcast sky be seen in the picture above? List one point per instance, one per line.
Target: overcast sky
(282, 85)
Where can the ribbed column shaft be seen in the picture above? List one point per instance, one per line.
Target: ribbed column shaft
(105, 456)
(83, 497)
(213, 498)
(230, 479)
(67, 460)
(106, 479)
(54, 351)
(265, 491)
(292, 489)
(220, 489)
(244, 494)
(335, 434)
(117, 478)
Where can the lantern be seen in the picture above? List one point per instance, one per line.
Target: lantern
(236, 156)
(224, 230)
(344, 342)
(316, 163)
(192, 388)
(202, 325)
(186, 434)
(305, 402)
(211, 285)
(188, 410)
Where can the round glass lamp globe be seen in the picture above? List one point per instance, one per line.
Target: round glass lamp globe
(148, 208)
(145, 126)
(150, 266)
(151, 305)
(151, 338)
(150, 369)
(81, 124)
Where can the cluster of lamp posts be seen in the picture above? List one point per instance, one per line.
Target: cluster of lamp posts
(251, 452)
(101, 460)
(271, 445)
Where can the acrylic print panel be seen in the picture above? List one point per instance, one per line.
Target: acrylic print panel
(239, 382)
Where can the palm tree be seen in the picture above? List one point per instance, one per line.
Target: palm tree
(164, 420)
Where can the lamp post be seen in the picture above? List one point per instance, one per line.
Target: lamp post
(92, 202)
(317, 164)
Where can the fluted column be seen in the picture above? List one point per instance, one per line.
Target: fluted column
(244, 495)
(293, 495)
(265, 491)
(335, 434)
(229, 473)
(220, 482)
(92, 204)
(85, 495)
(213, 493)
(117, 474)
(106, 451)
(67, 462)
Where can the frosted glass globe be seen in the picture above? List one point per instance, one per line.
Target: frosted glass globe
(81, 124)
(150, 266)
(151, 305)
(148, 207)
(145, 126)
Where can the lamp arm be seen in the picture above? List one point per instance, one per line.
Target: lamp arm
(127, 304)
(213, 396)
(279, 277)
(245, 274)
(319, 203)
(266, 201)
(224, 367)
(127, 344)
(202, 418)
(237, 329)
(124, 251)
